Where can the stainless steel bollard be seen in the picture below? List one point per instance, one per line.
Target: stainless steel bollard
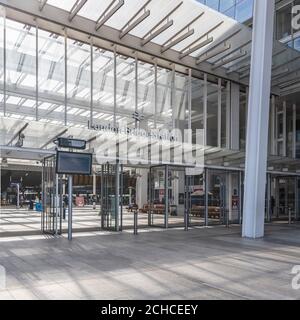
(290, 215)
(186, 220)
(135, 226)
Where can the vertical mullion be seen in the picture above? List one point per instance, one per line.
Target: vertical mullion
(66, 78)
(205, 109)
(294, 130)
(173, 102)
(229, 122)
(155, 95)
(91, 84)
(37, 71)
(136, 87)
(284, 129)
(219, 112)
(115, 85)
(190, 100)
(4, 62)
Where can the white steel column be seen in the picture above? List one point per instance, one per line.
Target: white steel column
(258, 119)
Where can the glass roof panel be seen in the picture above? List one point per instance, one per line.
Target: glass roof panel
(63, 4)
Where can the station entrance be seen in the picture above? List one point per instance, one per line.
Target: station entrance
(283, 198)
(163, 196)
(169, 196)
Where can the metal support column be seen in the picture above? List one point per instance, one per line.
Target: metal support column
(70, 206)
(258, 119)
(297, 214)
(4, 62)
(166, 196)
(117, 199)
(240, 197)
(205, 109)
(150, 202)
(268, 200)
(206, 195)
(66, 78)
(56, 203)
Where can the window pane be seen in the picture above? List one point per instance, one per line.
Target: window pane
(78, 83)
(164, 107)
(103, 86)
(243, 119)
(226, 4)
(197, 109)
(51, 50)
(125, 91)
(212, 114)
(146, 95)
(224, 99)
(1, 60)
(244, 10)
(180, 105)
(21, 70)
(283, 21)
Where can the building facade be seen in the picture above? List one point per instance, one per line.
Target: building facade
(60, 81)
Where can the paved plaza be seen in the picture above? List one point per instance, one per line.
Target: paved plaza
(204, 263)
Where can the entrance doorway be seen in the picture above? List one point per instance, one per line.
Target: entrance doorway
(224, 197)
(284, 194)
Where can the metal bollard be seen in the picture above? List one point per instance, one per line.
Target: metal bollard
(227, 218)
(290, 215)
(186, 220)
(135, 226)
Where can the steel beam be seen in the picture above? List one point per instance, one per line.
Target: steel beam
(76, 8)
(42, 4)
(134, 23)
(154, 34)
(15, 136)
(213, 54)
(54, 138)
(197, 47)
(233, 51)
(178, 40)
(108, 13)
(171, 42)
(206, 34)
(221, 41)
(231, 59)
(54, 19)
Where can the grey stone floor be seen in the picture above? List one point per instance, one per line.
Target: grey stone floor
(212, 263)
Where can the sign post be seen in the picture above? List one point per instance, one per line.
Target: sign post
(72, 163)
(70, 203)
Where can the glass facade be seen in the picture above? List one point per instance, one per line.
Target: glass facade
(52, 78)
(240, 10)
(284, 31)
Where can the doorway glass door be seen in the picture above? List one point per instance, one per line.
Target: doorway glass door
(224, 197)
(110, 197)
